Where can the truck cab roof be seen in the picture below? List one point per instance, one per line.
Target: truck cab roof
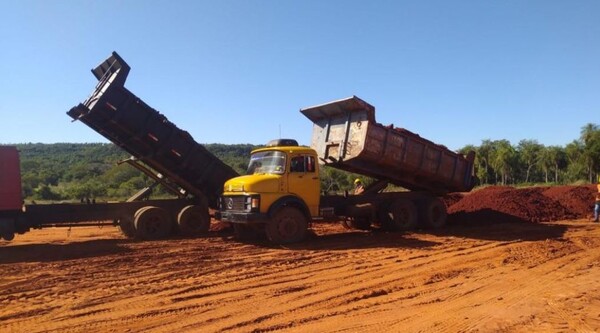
(287, 149)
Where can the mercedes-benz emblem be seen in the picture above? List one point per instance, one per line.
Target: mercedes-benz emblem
(229, 203)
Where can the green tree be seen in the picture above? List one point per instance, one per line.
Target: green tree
(590, 136)
(576, 164)
(485, 155)
(551, 159)
(529, 153)
(333, 180)
(44, 192)
(503, 160)
(478, 164)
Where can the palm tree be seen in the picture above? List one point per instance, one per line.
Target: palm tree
(484, 154)
(504, 160)
(591, 140)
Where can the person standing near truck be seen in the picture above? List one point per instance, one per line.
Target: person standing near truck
(358, 186)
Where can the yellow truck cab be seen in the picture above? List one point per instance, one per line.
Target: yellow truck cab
(280, 192)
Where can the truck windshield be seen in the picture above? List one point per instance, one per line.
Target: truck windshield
(267, 162)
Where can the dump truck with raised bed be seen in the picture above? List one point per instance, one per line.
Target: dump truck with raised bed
(281, 193)
(162, 151)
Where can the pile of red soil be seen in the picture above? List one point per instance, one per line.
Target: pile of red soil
(452, 198)
(533, 204)
(577, 199)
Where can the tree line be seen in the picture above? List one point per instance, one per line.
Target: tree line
(68, 171)
(530, 162)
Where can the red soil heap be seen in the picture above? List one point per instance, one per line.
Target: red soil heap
(577, 199)
(533, 204)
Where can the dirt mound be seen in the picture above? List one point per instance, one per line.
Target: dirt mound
(533, 204)
(452, 198)
(579, 200)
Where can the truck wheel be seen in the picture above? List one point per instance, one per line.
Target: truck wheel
(433, 213)
(194, 220)
(287, 225)
(7, 229)
(152, 223)
(8, 236)
(127, 226)
(346, 223)
(357, 223)
(401, 215)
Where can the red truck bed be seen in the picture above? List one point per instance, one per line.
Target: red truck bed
(10, 179)
(346, 136)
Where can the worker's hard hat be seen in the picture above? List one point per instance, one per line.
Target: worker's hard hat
(357, 181)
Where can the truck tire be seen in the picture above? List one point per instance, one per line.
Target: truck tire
(7, 228)
(152, 223)
(433, 213)
(357, 223)
(401, 215)
(7, 236)
(193, 220)
(127, 226)
(359, 216)
(287, 225)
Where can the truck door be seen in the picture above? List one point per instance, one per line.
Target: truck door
(303, 181)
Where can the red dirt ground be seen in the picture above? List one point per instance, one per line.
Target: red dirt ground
(491, 269)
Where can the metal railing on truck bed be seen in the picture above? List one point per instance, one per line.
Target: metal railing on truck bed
(123, 118)
(346, 136)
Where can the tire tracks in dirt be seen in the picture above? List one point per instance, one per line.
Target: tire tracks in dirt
(335, 282)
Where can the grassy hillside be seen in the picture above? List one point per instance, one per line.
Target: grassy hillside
(71, 171)
(68, 171)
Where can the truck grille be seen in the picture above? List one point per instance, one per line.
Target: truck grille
(234, 203)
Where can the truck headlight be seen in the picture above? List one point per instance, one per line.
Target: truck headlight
(252, 203)
(255, 203)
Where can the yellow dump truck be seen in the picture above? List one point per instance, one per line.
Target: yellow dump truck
(281, 194)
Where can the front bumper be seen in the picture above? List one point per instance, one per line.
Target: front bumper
(242, 217)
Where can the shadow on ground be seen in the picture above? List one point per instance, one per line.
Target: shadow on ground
(483, 224)
(488, 224)
(59, 252)
(345, 241)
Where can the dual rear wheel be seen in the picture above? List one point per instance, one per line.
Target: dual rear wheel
(433, 213)
(193, 220)
(400, 215)
(407, 214)
(151, 222)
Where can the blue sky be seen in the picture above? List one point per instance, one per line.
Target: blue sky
(455, 72)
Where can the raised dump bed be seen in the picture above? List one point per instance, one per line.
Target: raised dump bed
(123, 118)
(346, 136)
